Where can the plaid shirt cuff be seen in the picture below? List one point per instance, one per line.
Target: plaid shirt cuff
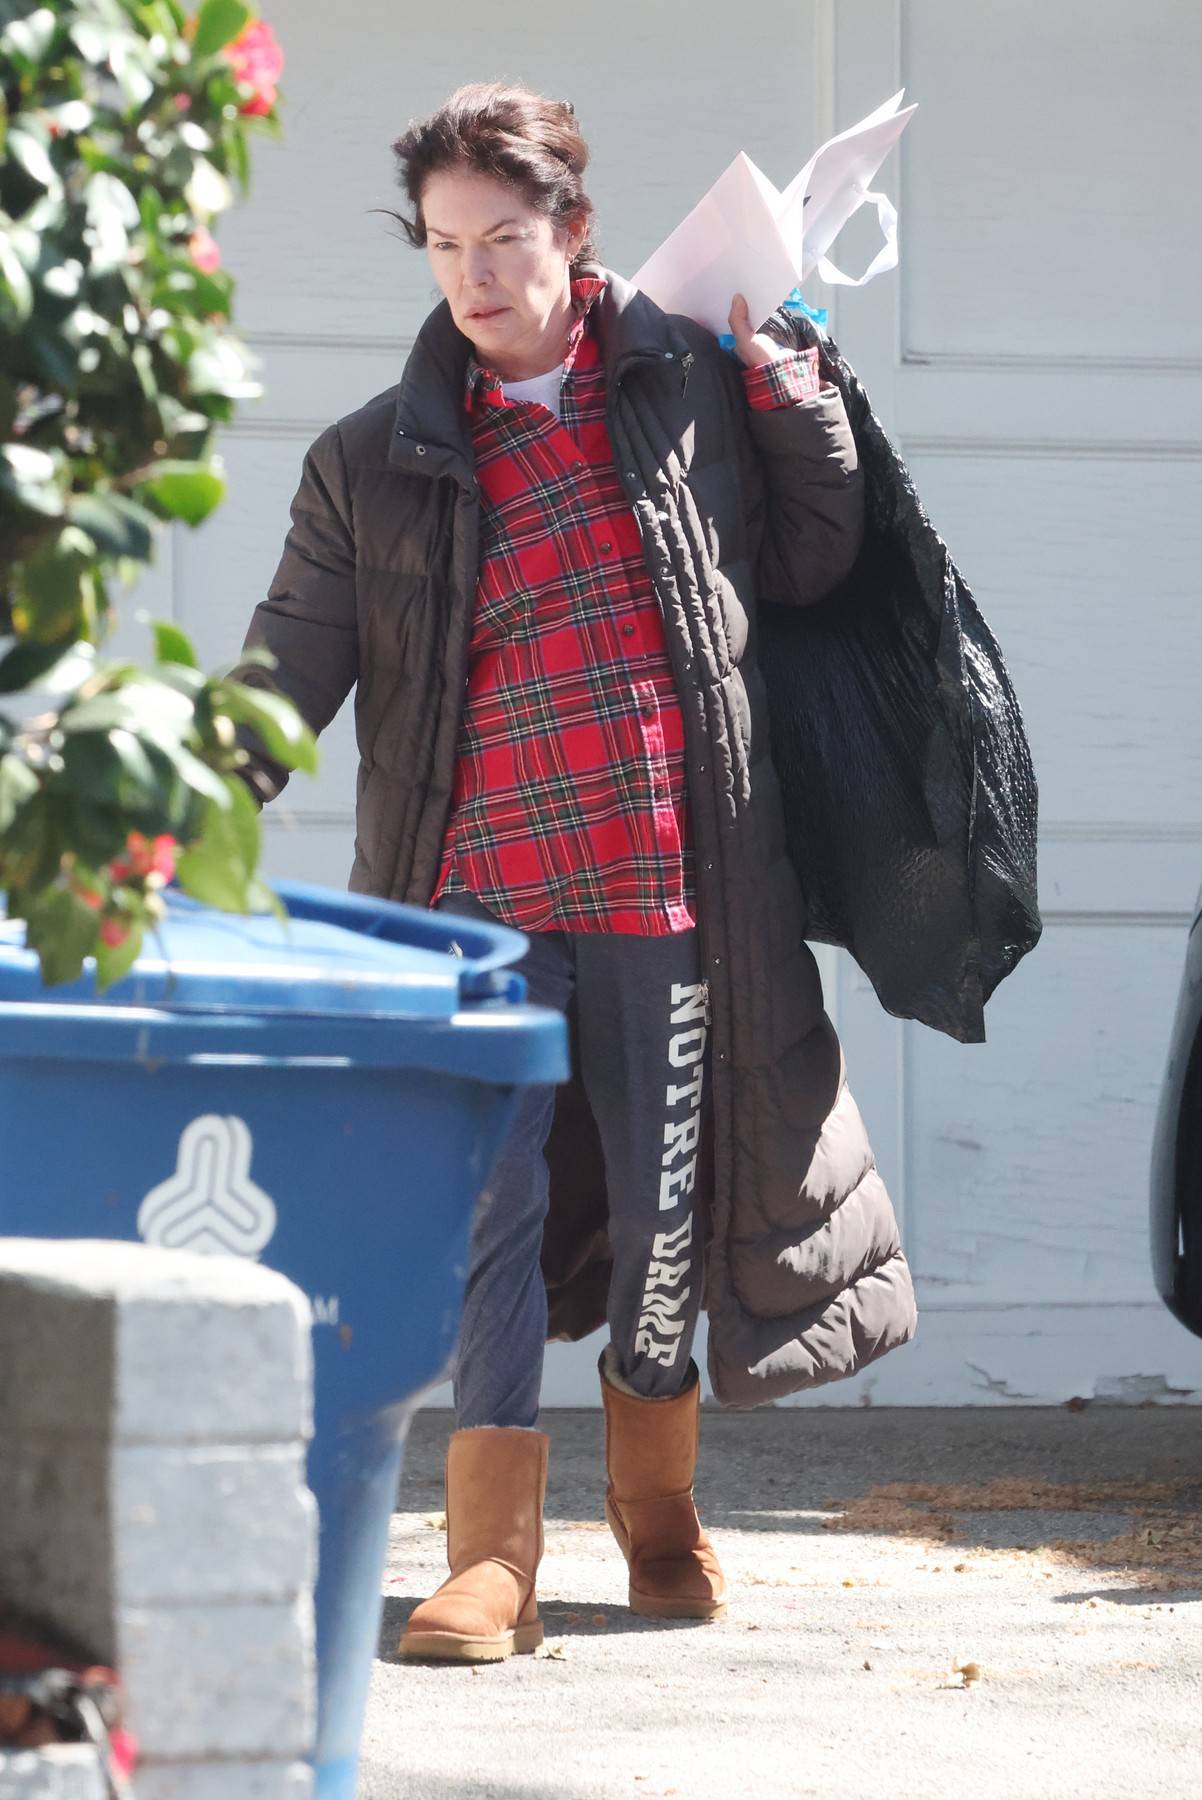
(785, 381)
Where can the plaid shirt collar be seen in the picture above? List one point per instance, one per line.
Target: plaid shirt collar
(485, 385)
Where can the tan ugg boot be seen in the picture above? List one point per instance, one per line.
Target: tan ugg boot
(496, 1481)
(651, 1457)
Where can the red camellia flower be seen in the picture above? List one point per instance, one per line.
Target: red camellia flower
(202, 248)
(258, 62)
(113, 932)
(145, 856)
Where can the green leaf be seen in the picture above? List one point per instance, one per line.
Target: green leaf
(188, 491)
(113, 769)
(143, 704)
(218, 23)
(198, 775)
(72, 115)
(115, 524)
(115, 960)
(171, 645)
(221, 367)
(255, 656)
(29, 39)
(192, 682)
(62, 929)
(150, 210)
(16, 289)
(55, 591)
(25, 150)
(243, 822)
(46, 668)
(208, 191)
(274, 721)
(239, 155)
(29, 477)
(112, 214)
(220, 868)
(18, 783)
(129, 59)
(59, 364)
(262, 899)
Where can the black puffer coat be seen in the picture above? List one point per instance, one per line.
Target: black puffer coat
(806, 1279)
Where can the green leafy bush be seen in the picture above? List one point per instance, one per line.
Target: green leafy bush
(124, 130)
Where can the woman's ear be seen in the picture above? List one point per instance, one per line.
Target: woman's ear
(577, 232)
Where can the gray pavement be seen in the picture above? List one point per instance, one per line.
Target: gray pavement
(1059, 1552)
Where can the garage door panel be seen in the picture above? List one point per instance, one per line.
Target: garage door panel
(653, 85)
(1039, 177)
(307, 847)
(1027, 1158)
(1087, 572)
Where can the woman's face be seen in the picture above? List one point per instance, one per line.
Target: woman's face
(503, 268)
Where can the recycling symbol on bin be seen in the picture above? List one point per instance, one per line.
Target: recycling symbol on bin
(210, 1203)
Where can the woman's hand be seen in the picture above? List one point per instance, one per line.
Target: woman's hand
(752, 348)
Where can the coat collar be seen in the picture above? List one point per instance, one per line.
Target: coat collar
(432, 431)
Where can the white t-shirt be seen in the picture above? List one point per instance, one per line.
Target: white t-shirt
(543, 388)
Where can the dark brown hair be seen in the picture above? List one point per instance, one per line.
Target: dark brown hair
(500, 129)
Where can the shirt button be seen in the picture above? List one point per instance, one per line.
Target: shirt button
(628, 631)
(578, 466)
(606, 547)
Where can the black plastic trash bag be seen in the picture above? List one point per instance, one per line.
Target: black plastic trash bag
(910, 800)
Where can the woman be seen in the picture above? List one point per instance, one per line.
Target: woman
(540, 559)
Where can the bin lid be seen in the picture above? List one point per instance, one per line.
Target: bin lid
(338, 958)
(335, 953)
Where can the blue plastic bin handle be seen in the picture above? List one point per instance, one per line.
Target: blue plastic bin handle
(487, 969)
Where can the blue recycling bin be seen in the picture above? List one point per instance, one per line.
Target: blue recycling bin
(327, 1095)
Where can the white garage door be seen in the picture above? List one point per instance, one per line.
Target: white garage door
(1038, 359)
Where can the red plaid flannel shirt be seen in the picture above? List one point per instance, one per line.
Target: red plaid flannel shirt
(569, 809)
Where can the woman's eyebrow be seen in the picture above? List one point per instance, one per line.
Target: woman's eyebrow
(434, 230)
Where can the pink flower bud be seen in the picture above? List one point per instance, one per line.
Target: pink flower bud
(113, 932)
(258, 62)
(203, 250)
(162, 857)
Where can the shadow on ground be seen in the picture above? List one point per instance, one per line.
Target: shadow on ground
(1101, 1488)
(577, 1618)
(436, 1784)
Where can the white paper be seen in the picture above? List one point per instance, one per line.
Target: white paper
(745, 237)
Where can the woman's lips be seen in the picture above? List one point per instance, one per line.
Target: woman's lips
(492, 312)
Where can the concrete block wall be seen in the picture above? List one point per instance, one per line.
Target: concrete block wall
(154, 1411)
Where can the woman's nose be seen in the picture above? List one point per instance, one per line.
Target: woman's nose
(476, 271)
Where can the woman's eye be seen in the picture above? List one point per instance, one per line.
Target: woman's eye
(444, 246)
(503, 240)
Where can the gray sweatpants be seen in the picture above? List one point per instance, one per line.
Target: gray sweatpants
(641, 1011)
